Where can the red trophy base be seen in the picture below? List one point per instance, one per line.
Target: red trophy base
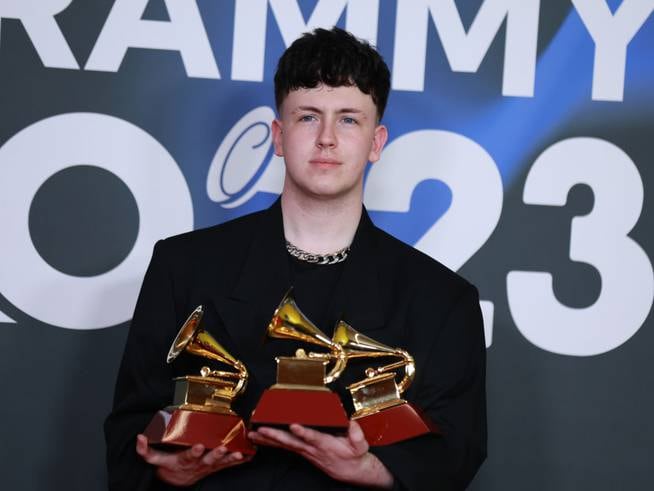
(319, 409)
(184, 428)
(395, 424)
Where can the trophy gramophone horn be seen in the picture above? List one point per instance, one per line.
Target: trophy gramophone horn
(300, 394)
(196, 341)
(384, 417)
(357, 345)
(201, 411)
(289, 322)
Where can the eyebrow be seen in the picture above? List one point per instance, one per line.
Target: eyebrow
(314, 109)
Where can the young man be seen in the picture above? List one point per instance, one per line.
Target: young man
(331, 91)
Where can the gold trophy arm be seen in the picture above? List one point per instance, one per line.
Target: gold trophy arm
(357, 345)
(242, 378)
(338, 356)
(409, 369)
(221, 374)
(340, 362)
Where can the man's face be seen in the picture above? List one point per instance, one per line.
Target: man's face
(326, 136)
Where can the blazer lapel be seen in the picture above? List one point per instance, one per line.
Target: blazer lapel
(261, 285)
(358, 297)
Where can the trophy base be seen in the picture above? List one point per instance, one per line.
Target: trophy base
(394, 424)
(318, 409)
(180, 428)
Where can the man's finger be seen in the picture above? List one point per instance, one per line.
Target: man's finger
(357, 439)
(191, 455)
(311, 436)
(141, 445)
(154, 457)
(259, 439)
(268, 442)
(214, 456)
(285, 439)
(231, 459)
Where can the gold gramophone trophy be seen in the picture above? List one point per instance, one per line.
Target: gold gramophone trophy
(383, 415)
(300, 394)
(201, 410)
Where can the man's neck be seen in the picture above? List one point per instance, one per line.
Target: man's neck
(320, 226)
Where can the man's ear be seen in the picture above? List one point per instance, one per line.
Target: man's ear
(276, 127)
(378, 141)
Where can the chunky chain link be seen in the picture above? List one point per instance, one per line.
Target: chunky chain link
(333, 258)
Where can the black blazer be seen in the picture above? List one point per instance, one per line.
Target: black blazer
(239, 271)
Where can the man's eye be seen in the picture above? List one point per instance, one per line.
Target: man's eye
(307, 118)
(349, 120)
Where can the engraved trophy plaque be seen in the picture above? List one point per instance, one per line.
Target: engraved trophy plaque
(300, 394)
(201, 410)
(383, 415)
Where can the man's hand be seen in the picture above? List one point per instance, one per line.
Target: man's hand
(187, 466)
(344, 458)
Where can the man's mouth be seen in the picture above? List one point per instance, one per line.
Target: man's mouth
(324, 161)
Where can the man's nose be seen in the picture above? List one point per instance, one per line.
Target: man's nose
(326, 136)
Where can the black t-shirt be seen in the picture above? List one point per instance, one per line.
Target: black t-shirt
(314, 288)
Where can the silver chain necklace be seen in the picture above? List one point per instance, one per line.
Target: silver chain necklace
(333, 258)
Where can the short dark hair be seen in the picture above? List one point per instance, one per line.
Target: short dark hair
(335, 58)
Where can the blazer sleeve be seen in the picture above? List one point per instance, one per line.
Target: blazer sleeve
(144, 383)
(452, 393)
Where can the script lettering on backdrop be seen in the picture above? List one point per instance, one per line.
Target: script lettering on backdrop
(468, 170)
